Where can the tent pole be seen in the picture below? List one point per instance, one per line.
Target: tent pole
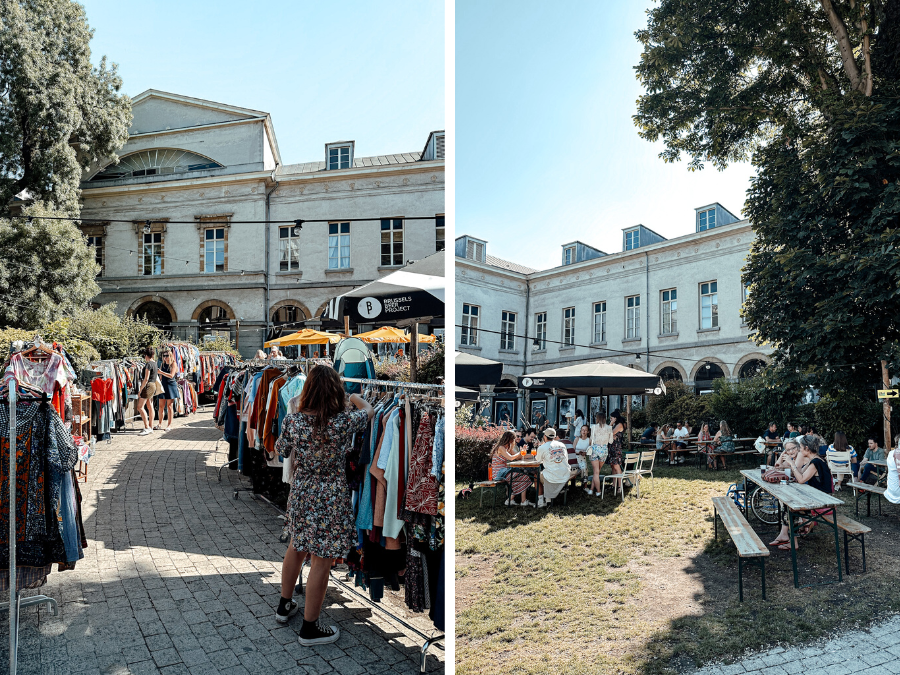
(346, 325)
(414, 353)
(627, 422)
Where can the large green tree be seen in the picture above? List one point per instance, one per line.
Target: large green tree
(58, 112)
(808, 91)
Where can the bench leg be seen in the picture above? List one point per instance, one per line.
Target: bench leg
(715, 524)
(763, 568)
(741, 578)
(846, 554)
(862, 540)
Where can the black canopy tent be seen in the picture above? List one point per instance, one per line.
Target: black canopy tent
(473, 371)
(596, 377)
(463, 394)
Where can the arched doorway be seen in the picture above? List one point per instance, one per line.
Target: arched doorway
(286, 319)
(155, 313)
(752, 368)
(707, 373)
(670, 373)
(213, 321)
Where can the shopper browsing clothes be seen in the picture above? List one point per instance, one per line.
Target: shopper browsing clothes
(316, 441)
(167, 374)
(147, 391)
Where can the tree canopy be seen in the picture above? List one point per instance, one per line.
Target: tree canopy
(809, 91)
(58, 113)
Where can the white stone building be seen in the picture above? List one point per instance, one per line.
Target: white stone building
(201, 187)
(671, 307)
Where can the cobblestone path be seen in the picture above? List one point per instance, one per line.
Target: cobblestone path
(180, 577)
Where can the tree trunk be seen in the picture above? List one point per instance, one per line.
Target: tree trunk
(843, 42)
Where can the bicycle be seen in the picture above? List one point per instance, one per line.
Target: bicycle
(764, 506)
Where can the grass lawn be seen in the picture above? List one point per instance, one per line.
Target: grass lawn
(642, 588)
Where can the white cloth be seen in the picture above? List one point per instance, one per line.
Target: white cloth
(681, 434)
(601, 435)
(892, 494)
(555, 458)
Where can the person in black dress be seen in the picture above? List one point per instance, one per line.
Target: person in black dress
(807, 467)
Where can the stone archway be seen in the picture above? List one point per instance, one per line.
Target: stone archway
(321, 309)
(229, 313)
(273, 310)
(674, 366)
(152, 298)
(753, 356)
(697, 372)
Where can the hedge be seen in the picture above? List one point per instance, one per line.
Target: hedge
(473, 451)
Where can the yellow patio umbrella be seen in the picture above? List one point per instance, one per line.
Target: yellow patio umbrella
(391, 334)
(307, 336)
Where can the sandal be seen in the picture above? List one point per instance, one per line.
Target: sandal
(786, 546)
(779, 541)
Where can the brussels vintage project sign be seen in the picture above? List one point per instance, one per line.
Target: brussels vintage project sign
(391, 308)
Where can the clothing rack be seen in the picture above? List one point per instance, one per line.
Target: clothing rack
(393, 383)
(16, 603)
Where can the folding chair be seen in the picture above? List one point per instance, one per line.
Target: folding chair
(629, 470)
(645, 467)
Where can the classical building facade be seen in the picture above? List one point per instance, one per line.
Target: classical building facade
(670, 307)
(195, 227)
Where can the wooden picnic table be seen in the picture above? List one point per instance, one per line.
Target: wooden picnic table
(528, 466)
(798, 500)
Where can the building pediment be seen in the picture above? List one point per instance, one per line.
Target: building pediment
(156, 111)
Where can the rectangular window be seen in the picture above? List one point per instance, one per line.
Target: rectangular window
(632, 240)
(474, 250)
(153, 253)
(97, 243)
(669, 321)
(568, 255)
(439, 233)
(288, 250)
(508, 330)
(214, 250)
(599, 322)
(568, 335)
(706, 220)
(746, 290)
(540, 329)
(338, 246)
(709, 305)
(633, 317)
(469, 335)
(392, 242)
(339, 158)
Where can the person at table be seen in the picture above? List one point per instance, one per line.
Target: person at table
(582, 447)
(892, 493)
(808, 468)
(705, 445)
(789, 432)
(614, 457)
(873, 454)
(791, 447)
(771, 437)
(526, 440)
(505, 451)
(555, 471)
(723, 441)
(649, 435)
(680, 436)
(841, 445)
(823, 446)
(601, 437)
(664, 442)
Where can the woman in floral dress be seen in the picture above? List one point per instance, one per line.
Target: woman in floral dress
(316, 441)
(614, 459)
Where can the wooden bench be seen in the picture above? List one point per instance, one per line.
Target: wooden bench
(856, 532)
(747, 542)
(860, 489)
(702, 455)
(492, 485)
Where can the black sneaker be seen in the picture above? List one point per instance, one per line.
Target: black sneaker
(316, 634)
(290, 609)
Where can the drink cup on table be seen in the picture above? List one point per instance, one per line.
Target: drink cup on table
(787, 472)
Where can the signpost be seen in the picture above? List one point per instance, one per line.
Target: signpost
(886, 394)
(889, 393)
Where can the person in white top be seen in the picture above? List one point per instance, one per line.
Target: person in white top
(892, 494)
(577, 424)
(582, 446)
(554, 456)
(601, 437)
(680, 435)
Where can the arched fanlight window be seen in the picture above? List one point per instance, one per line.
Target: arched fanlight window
(670, 373)
(160, 161)
(752, 368)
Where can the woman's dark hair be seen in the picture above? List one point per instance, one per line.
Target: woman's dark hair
(578, 413)
(809, 443)
(840, 441)
(618, 415)
(149, 352)
(323, 396)
(505, 439)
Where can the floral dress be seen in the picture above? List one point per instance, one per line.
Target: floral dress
(319, 515)
(615, 449)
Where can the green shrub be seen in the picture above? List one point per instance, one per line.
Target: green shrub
(680, 402)
(473, 451)
(218, 344)
(853, 415)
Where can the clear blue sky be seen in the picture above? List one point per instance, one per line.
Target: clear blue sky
(546, 150)
(372, 72)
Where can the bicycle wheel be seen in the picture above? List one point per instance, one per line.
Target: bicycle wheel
(764, 506)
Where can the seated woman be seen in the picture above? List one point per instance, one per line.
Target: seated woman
(790, 452)
(841, 445)
(704, 444)
(812, 470)
(506, 451)
(723, 441)
(664, 442)
(892, 494)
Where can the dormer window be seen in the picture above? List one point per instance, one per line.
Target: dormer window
(568, 255)
(339, 155)
(632, 239)
(475, 250)
(706, 220)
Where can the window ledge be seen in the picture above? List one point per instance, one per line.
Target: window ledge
(668, 335)
(708, 330)
(597, 344)
(342, 270)
(539, 351)
(509, 351)
(470, 347)
(567, 348)
(630, 340)
(295, 273)
(389, 267)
